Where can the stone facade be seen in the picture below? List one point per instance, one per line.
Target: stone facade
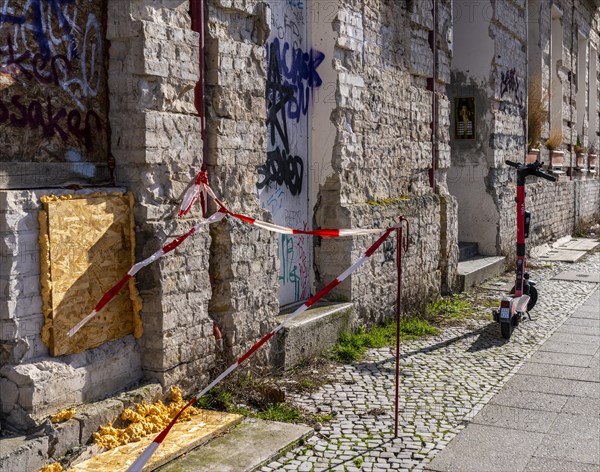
(500, 48)
(319, 115)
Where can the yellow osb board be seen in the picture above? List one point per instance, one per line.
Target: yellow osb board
(183, 438)
(87, 246)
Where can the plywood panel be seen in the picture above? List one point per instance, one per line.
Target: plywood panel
(182, 438)
(87, 246)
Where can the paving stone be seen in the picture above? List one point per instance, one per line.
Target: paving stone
(530, 400)
(551, 370)
(584, 427)
(447, 381)
(493, 444)
(582, 406)
(569, 448)
(540, 464)
(558, 358)
(516, 418)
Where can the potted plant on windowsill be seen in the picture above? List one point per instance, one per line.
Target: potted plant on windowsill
(580, 153)
(533, 152)
(556, 156)
(536, 115)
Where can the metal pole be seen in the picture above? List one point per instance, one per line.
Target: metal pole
(401, 245)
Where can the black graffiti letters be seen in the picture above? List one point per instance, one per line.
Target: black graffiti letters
(509, 83)
(282, 168)
(277, 95)
(51, 120)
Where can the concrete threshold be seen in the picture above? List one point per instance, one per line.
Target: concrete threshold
(247, 447)
(310, 334)
(477, 270)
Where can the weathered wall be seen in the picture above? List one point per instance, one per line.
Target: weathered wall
(154, 66)
(496, 75)
(382, 59)
(244, 260)
(53, 117)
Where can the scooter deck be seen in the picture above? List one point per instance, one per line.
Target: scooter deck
(521, 303)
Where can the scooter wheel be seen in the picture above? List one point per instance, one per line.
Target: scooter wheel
(506, 329)
(533, 296)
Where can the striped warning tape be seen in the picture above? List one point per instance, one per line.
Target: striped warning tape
(201, 189)
(113, 292)
(141, 461)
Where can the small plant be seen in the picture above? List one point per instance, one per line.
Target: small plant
(449, 309)
(413, 328)
(554, 140)
(358, 461)
(216, 399)
(323, 418)
(280, 412)
(351, 347)
(578, 146)
(536, 114)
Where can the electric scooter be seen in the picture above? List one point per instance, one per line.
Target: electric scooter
(524, 295)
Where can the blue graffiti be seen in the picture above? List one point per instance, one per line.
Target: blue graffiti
(35, 24)
(298, 70)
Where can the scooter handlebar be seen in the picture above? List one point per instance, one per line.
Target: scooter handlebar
(534, 169)
(543, 175)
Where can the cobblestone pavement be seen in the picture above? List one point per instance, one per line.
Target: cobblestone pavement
(445, 381)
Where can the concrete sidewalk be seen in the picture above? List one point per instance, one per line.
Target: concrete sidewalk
(546, 417)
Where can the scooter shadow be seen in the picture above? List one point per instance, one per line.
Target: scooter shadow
(489, 337)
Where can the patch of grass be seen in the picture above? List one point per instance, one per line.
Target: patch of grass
(216, 399)
(449, 309)
(307, 384)
(323, 418)
(358, 461)
(241, 410)
(280, 412)
(413, 328)
(351, 347)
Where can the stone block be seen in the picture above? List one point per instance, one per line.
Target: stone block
(68, 435)
(20, 453)
(310, 334)
(94, 415)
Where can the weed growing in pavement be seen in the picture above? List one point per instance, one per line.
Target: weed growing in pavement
(351, 347)
(279, 412)
(262, 396)
(413, 328)
(449, 309)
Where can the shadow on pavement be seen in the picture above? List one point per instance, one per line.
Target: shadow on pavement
(488, 337)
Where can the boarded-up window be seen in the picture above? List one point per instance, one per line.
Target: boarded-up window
(87, 246)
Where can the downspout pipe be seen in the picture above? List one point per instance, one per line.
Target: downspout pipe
(571, 74)
(527, 88)
(197, 16)
(431, 86)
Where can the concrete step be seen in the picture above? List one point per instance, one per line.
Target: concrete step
(467, 250)
(477, 270)
(251, 445)
(314, 331)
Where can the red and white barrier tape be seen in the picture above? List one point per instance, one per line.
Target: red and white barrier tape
(201, 188)
(324, 233)
(113, 292)
(141, 461)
